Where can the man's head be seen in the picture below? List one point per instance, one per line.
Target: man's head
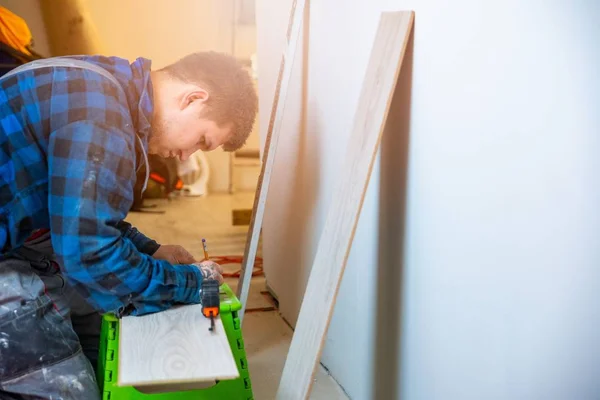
(201, 102)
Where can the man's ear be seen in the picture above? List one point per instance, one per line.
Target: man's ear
(192, 96)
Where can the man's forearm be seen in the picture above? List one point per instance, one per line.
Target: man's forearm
(143, 243)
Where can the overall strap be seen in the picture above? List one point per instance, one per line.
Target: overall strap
(63, 62)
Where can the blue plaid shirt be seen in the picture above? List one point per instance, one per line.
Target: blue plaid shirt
(69, 157)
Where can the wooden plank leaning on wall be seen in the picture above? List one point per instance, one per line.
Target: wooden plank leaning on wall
(271, 140)
(336, 238)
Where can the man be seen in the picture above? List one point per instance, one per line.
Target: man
(74, 137)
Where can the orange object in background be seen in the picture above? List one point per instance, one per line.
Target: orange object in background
(14, 31)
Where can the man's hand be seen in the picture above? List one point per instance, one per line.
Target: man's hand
(210, 270)
(174, 254)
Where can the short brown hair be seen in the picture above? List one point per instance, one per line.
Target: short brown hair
(232, 95)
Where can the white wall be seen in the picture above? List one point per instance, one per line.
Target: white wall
(498, 275)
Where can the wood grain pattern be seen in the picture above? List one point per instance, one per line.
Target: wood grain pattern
(271, 140)
(336, 239)
(173, 346)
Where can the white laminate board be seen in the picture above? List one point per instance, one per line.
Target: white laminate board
(173, 346)
(269, 151)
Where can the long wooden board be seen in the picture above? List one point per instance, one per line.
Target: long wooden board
(271, 140)
(336, 239)
(173, 347)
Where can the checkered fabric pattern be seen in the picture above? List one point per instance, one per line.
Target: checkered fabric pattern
(68, 162)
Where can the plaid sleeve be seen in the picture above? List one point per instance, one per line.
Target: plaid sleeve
(141, 241)
(91, 175)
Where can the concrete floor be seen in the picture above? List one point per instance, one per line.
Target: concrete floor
(266, 335)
